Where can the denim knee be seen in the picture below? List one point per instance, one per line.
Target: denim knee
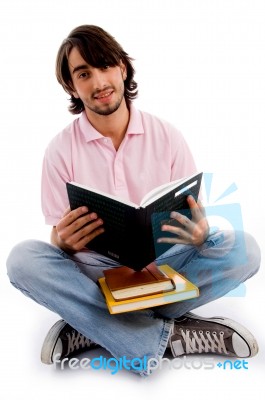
(253, 254)
(246, 254)
(233, 254)
(20, 263)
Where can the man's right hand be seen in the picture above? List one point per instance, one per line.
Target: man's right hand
(76, 229)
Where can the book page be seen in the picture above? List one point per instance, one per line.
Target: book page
(164, 189)
(150, 197)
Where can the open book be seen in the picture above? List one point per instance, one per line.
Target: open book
(183, 290)
(130, 228)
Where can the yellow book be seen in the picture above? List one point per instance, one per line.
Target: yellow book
(184, 290)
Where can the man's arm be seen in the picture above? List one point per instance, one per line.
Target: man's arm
(76, 229)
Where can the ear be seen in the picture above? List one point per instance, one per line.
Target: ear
(75, 95)
(123, 70)
(71, 90)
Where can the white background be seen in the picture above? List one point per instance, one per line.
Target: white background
(200, 65)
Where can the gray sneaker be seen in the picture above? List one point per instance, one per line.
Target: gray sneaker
(64, 341)
(193, 334)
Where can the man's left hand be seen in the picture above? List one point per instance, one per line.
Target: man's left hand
(194, 231)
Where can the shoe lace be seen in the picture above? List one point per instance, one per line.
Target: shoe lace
(203, 342)
(76, 341)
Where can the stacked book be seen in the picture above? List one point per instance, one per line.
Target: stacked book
(128, 290)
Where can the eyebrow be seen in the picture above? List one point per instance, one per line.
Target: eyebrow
(79, 67)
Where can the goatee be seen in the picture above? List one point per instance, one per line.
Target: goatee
(106, 111)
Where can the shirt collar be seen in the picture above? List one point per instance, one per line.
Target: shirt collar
(135, 126)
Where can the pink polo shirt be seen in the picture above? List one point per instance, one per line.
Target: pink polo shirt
(152, 152)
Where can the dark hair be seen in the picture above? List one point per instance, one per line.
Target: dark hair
(98, 48)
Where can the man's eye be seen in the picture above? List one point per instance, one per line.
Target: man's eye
(83, 75)
(106, 66)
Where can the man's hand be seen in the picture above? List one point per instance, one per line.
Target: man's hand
(76, 229)
(194, 231)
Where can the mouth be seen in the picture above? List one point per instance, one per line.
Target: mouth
(104, 96)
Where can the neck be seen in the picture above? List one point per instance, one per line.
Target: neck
(113, 126)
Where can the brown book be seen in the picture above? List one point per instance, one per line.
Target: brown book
(183, 290)
(125, 283)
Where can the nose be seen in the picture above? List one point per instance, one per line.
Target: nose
(99, 79)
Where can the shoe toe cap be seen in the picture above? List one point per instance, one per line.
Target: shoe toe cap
(58, 349)
(240, 346)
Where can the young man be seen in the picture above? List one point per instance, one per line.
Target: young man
(123, 151)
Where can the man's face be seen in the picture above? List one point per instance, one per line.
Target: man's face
(100, 89)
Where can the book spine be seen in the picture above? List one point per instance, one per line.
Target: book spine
(139, 254)
(155, 272)
(148, 239)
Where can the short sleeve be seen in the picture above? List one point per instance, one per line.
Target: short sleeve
(56, 171)
(183, 164)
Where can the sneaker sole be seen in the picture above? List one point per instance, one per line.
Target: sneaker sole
(50, 341)
(240, 329)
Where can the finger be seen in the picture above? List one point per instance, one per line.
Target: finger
(192, 203)
(196, 211)
(174, 240)
(72, 233)
(67, 211)
(88, 238)
(86, 230)
(71, 216)
(180, 232)
(81, 238)
(201, 207)
(82, 222)
(182, 219)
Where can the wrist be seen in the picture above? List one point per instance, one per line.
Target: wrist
(56, 241)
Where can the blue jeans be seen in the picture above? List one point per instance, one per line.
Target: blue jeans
(67, 286)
